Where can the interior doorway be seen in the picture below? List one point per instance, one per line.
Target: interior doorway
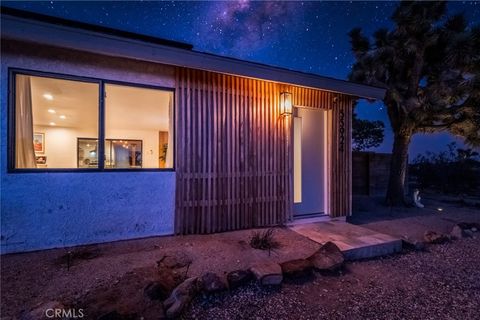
(309, 162)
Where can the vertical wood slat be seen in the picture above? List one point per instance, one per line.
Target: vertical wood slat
(234, 159)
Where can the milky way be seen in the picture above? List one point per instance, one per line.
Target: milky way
(305, 36)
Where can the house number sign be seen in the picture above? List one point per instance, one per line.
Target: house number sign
(341, 130)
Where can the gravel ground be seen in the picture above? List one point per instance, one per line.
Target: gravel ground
(441, 283)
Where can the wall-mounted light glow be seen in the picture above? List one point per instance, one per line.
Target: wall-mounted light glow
(48, 96)
(63, 117)
(52, 124)
(51, 111)
(286, 107)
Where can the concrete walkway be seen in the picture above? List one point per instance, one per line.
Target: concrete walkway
(355, 242)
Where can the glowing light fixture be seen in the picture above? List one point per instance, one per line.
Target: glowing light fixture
(63, 117)
(51, 111)
(52, 124)
(48, 96)
(286, 107)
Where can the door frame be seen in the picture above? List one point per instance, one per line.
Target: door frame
(326, 158)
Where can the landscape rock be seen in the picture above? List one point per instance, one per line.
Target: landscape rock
(168, 278)
(327, 258)
(38, 312)
(180, 298)
(239, 278)
(413, 245)
(435, 237)
(268, 273)
(297, 268)
(211, 282)
(179, 260)
(458, 233)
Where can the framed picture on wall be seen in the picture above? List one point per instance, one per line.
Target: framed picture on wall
(39, 142)
(41, 160)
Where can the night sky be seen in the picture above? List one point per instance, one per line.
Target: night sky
(304, 36)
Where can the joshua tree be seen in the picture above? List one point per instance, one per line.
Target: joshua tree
(430, 66)
(366, 134)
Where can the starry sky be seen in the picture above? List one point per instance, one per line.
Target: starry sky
(308, 36)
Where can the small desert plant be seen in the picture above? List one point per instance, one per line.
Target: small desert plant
(264, 240)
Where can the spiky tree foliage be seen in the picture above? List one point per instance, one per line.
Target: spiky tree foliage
(430, 66)
(366, 134)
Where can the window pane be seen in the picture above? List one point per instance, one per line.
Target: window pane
(138, 127)
(50, 116)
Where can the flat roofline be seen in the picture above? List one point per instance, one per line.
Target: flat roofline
(82, 37)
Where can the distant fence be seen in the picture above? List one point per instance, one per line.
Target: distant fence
(370, 173)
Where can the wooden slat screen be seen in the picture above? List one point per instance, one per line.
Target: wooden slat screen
(233, 152)
(232, 158)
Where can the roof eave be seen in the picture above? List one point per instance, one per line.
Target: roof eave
(85, 40)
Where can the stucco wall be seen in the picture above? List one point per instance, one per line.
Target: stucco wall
(47, 210)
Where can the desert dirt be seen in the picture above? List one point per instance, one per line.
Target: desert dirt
(441, 283)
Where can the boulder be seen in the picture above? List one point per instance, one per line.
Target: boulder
(435, 237)
(211, 282)
(180, 298)
(327, 258)
(179, 260)
(268, 273)
(239, 278)
(297, 268)
(413, 245)
(458, 233)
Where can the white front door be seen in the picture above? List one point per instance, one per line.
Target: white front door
(309, 162)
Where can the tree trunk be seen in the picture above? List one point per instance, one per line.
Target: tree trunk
(398, 170)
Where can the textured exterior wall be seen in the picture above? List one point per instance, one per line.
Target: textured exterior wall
(47, 210)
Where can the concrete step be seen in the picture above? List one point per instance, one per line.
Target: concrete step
(354, 241)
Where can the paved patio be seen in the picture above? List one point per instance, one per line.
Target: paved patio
(355, 242)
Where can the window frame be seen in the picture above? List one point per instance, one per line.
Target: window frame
(11, 113)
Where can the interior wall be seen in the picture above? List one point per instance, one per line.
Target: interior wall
(61, 144)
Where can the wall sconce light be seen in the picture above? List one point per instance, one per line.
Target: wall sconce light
(286, 107)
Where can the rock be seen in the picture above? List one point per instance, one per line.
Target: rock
(210, 283)
(156, 290)
(297, 268)
(458, 233)
(327, 258)
(268, 273)
(180, 298)
(179, 260)
(169, 278)
(413, 245)
(40, 311)
(239, 278)
(435, 237)
(474, 229)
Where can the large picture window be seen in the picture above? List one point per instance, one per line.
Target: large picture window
(56, 125)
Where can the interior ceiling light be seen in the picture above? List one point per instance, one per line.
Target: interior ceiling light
(63, 117)
(52, 123)
(48, 96)
(51, 111)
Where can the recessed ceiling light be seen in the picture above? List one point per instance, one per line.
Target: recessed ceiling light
(52, 124)
(62, 117)
(48, 96)
(51, 111)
